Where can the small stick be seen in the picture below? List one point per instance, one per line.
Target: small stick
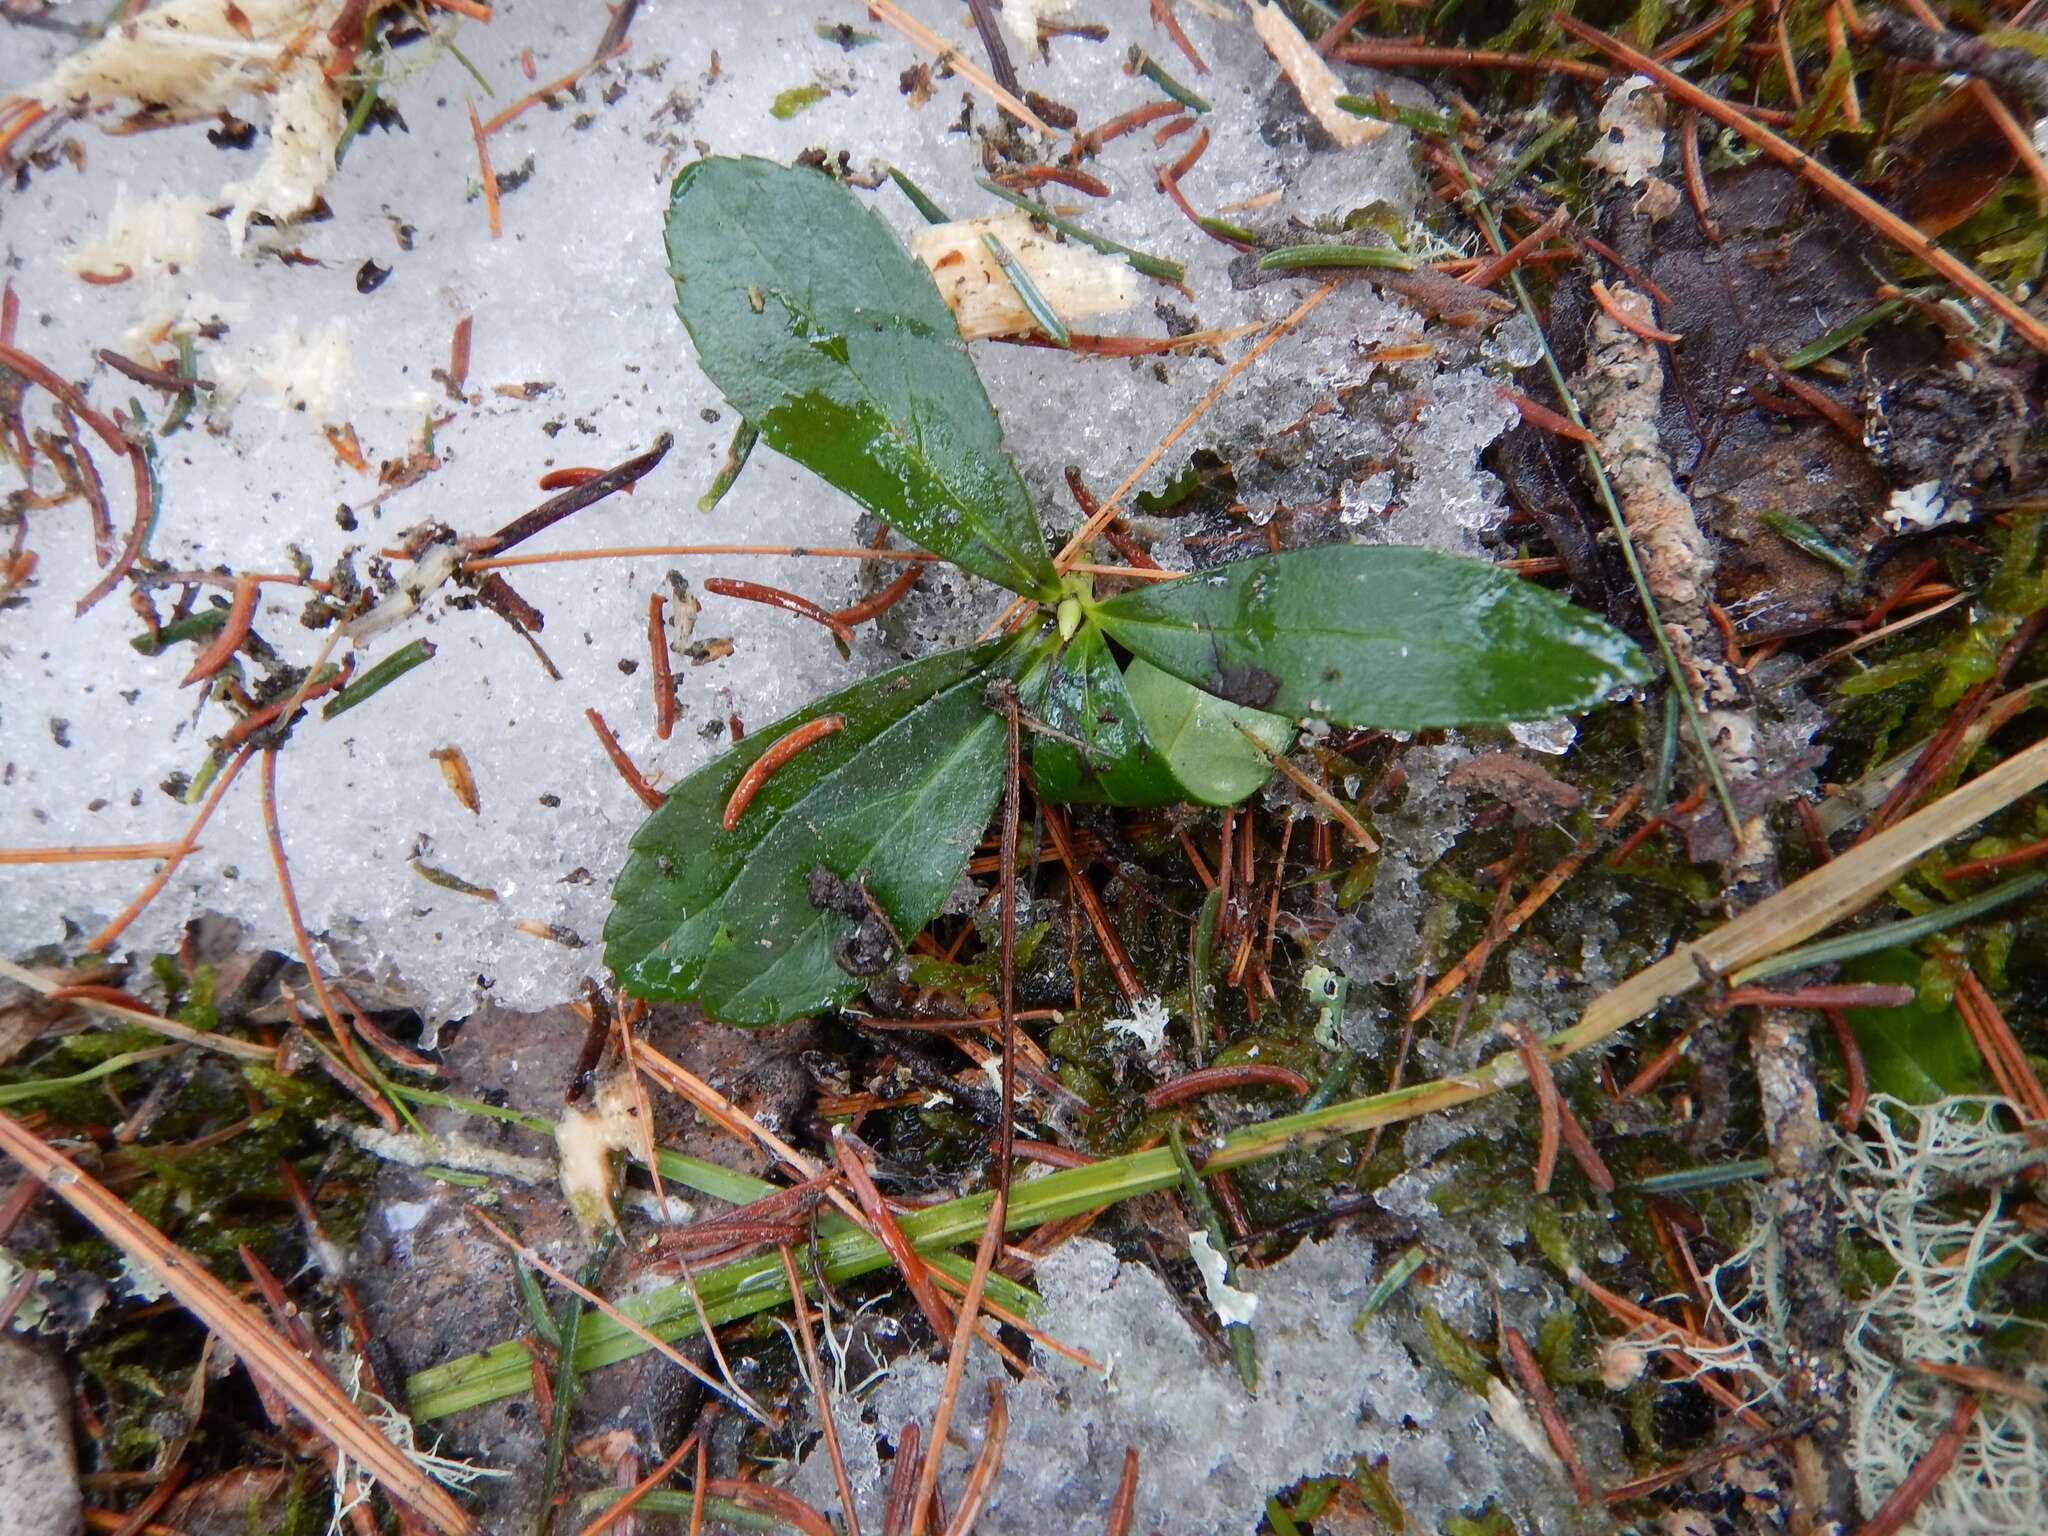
(658, 666)
(776, 597)
(616, 30)
(1250, 1074)
(991, 30)
(1857, 201)
(763, 767)
(650, 797)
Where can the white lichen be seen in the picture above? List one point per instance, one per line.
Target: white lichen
(1631, 142)
(1923, 506)
(1146, 1024)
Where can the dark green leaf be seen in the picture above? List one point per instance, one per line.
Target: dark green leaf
(901, 792)
(1085, 698)
(1912, 1052)
(825, 333)
(1376, 635)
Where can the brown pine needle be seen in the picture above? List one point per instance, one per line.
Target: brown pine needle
(956, 1359)
(1546, 1103)
(227, 1045)
(301, 1383)
(1091, 902)
(642, 551)
(1113, 503)
(1554, 1427)
(849, 1511)
(930, 42)
(1339, 811)
(535, 97)
(1124, 1506)
(639, 1330)
(1850, 196)
(1930, 1469)
(636, 781)
(484, 171)
(994, 1434)
(1529, 905)
(105, 853)
(303, 940)
(909, 1262)
(653, 1480)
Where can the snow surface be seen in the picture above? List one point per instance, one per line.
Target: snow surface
(573, 309)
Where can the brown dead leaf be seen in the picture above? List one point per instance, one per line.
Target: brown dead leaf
(1534, 792)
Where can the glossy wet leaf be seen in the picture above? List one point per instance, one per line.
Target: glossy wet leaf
(1085, 698)
(693, 893)
(1376, 636)
(824, 332)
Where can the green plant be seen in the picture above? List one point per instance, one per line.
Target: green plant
(832, 341)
